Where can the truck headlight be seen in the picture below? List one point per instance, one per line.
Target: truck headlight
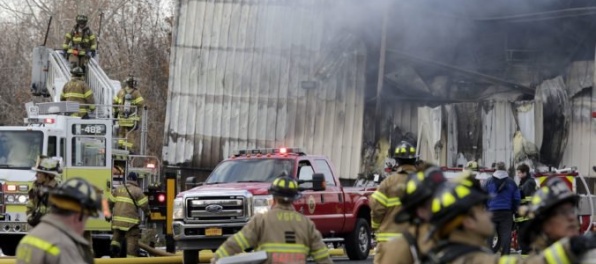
(178, 211)
(23, 199)
(262, 203)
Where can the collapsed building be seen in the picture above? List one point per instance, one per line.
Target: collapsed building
(508, 81)
(501, 81)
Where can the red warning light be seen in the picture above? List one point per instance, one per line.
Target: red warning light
(283, 150)
(49, 121)
(161, 198)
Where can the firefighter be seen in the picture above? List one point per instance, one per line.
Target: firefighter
(126, 201)
(79, 43)
(129, 102)
(76, 90)
(286, 235)
(527, 187)
(386, 199)
(412, 247)
(47, 169)
(552, 215)
(462, 224)
(59, 236)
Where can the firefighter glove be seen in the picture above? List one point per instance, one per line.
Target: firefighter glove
(582, 243)
(108, 218)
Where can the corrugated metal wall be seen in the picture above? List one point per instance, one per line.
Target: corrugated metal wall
(242, 75)
(578, 148)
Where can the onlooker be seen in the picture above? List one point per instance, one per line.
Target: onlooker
(527, 187)
(504, 201)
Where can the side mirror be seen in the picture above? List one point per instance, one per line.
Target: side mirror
(191, 182)
(318, 182)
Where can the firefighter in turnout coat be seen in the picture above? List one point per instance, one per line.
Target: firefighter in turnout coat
(412, 246)
(462, 224)
(126, 201)
(129, 102)
(286, 235)
(58, 238)
(47, 169)
(76, 90)
(80, 43)
(386, 201)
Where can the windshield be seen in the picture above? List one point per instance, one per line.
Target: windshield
(250, 170)
(19, 149)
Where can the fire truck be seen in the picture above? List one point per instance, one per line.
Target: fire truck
(87, 148)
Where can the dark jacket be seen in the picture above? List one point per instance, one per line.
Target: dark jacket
(527, 187)
(504, 193)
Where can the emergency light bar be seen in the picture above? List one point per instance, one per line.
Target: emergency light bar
(40, 120)
(243, 152)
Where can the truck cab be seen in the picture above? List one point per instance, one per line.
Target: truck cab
(237, 189)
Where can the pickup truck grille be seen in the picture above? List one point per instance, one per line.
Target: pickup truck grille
(216, 208)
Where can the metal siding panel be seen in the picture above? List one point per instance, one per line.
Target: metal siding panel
(230, 125)
(350, 95)
(247, 76)
(498, 129)
(356, 140)
(241, 67)
(578, 150)
(217, 63)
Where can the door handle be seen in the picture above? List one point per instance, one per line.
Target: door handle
(322, 198)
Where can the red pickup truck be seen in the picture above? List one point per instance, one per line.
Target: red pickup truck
(238, 188)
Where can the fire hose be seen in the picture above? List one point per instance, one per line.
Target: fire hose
(204, 257)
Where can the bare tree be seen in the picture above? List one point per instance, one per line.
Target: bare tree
(134, 40)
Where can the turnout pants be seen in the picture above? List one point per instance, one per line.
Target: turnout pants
(131, 237)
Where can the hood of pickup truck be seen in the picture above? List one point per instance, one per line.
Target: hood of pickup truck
(256, 188)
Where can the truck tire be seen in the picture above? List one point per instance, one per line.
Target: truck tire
(357, 243)
(190, 256)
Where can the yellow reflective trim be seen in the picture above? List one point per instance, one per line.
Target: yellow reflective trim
(462, 191)
(375, 225)
(320, 254)
(88, 93)
(75, 95)
(131, 256)
(41, 244)
(92, 37)
(126, 219)
(383, 237)
(143, 201)
(124, 200)
(410, 187)
(384, 200)
(436, 205)
(65, 46)
(555, 254)
(507, 260)
(222, 252)
(447, 199)
(138, 100)
(241, 240)
(284, 248)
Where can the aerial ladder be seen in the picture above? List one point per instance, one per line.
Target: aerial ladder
(50, 72)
